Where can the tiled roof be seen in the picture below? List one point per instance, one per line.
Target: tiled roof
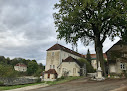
(21, 65)
(120, 42)
(51, 71)
(71, 59)
(60, 47)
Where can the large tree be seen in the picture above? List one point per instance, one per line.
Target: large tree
(91, 20)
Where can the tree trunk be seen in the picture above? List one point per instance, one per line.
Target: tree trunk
(99, 54)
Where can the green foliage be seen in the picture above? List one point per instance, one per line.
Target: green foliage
(91, 21)
(89, 68)
(1, 83)
(7, 71)
(38, 72)
(61, 78)
(38, 80)
(115, 54)
(18, 86)
(32, 67)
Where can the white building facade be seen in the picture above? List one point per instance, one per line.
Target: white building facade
(63, 60)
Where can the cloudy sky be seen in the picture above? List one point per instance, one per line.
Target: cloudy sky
(27, 30)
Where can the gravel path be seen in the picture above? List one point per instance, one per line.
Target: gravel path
(85, 85)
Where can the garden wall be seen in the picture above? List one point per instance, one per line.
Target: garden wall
(16, 81)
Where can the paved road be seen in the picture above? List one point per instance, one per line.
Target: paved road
(85, 85)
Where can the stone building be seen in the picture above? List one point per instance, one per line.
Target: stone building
(117, 57)
(61, 61)
(20, 67)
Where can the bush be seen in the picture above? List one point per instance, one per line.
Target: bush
(61, 78)
(1, 83)
(7, 71)
(124, 73)
(89, 67)
(38, 80)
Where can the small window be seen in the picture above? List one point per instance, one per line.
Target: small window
(122, 66)
(50, 66)
(53, 53)
(63, 69)
(59, 69)
(74, 70)
(122, 54)
(53, 66)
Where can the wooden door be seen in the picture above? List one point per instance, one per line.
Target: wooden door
(48, 75)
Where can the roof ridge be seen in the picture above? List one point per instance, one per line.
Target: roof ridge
(61, 47)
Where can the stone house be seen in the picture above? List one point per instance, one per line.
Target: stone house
(61, 61)
(94, 61)
(20, 67)
(117, 57)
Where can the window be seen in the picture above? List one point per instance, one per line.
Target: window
(53, 66)
(122, 66)
(53, 53)
(122, 54)
(64, 55)
(63, 69)
(59, 69)
(50, 66)
(74, 70)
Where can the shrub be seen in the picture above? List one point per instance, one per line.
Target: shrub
(89, 67)
(38, 80)
(1, 83)
(7, 71)
(61, 78)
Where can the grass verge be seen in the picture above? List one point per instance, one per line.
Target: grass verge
(58, 81)
(17, 86)
(62, 80)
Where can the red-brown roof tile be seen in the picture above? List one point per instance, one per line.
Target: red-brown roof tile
(71, 59)
(21, 65)
(60, 47)
(51, 71)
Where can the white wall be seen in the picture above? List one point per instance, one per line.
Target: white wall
(69, 67)
(112, 68)
(20, 68)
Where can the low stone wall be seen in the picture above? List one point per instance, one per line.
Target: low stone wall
(17, 81)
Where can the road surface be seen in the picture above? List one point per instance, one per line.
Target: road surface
(86, 85)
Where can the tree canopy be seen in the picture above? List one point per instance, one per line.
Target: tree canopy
(91, 20)
(8, 64)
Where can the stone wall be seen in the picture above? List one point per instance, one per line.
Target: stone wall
(17, 81)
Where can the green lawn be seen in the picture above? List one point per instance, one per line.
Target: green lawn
(63, 80)
(48, 82)
(17, 86)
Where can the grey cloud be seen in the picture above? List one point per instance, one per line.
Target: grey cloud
(27, 29)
